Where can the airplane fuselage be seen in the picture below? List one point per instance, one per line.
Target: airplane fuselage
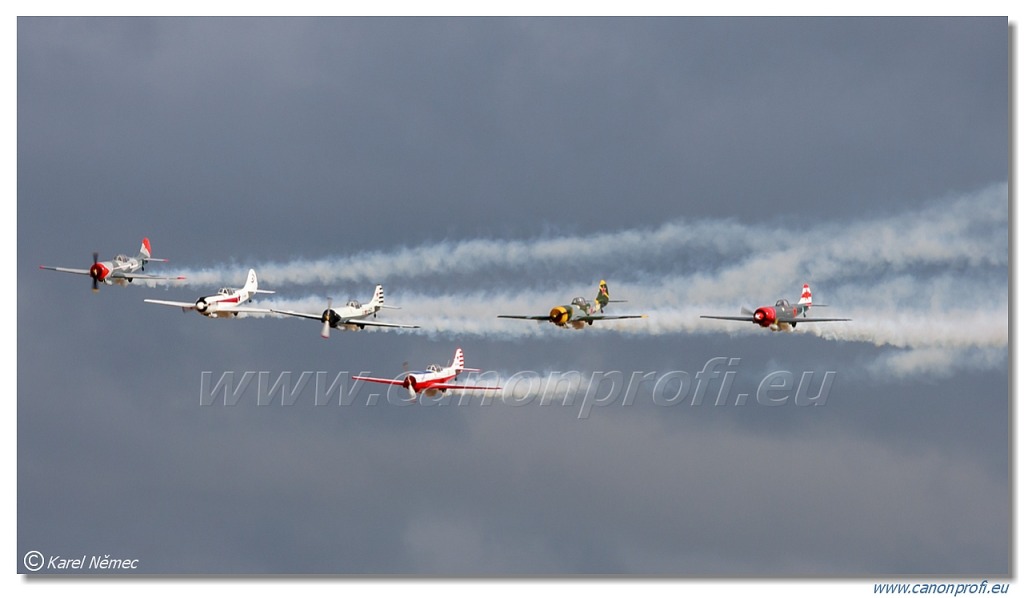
(426, 380)
(209, 305)
(338, 318)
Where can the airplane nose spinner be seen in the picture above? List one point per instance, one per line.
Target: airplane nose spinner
(764, 316)
(98, 272)
(559, 315)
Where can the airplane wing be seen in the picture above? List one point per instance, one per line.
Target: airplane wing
(592, 319)
(463, 387)
(318, 317)
(181, 304)
(112, 274)
(380, 380)
(579, 319)
(240, 309)
(142, 276)
(231, 308)
(786, 320)
(374, 323)
(69, 270)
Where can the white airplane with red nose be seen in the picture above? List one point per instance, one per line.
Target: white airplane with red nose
(782, 316)
(121, 270)
(432, 380)
(225, 303)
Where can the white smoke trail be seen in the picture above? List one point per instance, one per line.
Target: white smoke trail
(970, 230)
(484, 254)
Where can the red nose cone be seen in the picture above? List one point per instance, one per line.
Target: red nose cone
(99, 271)
(764, 316)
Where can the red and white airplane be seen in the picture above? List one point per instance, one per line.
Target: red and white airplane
(351, 316)
(434, 379)
(121, 270)
(225, 303)
(783, 316)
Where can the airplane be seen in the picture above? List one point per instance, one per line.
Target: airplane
(122, 270)
(783, 316)
(433, 380)
(579, 311)
(225, 303)
(350, 316)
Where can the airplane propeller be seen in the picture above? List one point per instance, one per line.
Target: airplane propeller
(409, 382)
(325, 332)
(746, 311)
(94, 272)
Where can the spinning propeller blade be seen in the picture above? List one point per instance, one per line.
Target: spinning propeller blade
(325, 332)
(94, 272)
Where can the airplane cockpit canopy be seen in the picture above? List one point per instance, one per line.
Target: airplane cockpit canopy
(782, 303)
(434, 368)
(580, 302)
(121, 258)
(225, 291)
(354, 303)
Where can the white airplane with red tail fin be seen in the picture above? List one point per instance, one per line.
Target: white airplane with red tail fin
(225, 303)
(121, 270)
(782, 316)
(432, 380)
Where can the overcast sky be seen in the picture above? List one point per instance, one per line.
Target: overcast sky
(478, 167)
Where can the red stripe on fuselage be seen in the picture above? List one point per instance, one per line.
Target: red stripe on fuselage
(422, 385)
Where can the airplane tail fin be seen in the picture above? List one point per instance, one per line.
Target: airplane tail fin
(602, 294)
(805, 296)
(603, 299)
(146, 253)
(459, 362)
(378, 298)
(251, 284)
